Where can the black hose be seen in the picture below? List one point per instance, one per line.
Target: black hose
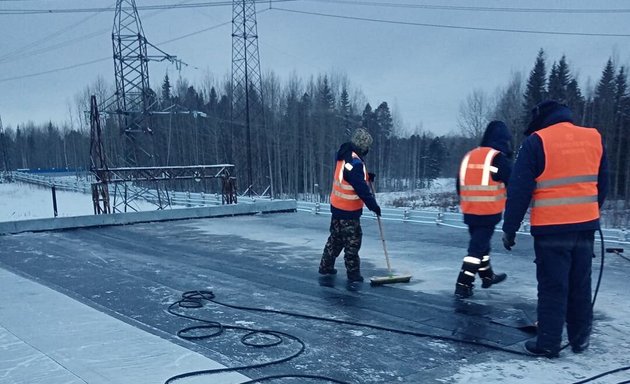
(601, 268)
(194, 299)
(599, 280)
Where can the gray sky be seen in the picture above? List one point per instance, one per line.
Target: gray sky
(423, 72)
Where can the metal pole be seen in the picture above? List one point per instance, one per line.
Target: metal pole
(54, 198)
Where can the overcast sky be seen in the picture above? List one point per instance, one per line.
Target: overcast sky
(423, 72)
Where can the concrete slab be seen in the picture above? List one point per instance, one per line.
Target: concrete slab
(47, 337)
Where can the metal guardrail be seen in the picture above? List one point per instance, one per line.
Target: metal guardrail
(407, 215)
(81, 186)
(440, 218)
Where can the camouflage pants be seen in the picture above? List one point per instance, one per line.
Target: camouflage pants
(344, 235)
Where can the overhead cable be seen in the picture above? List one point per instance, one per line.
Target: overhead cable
(26, 11)
(447, 26)
(476, 8)
(109, 58)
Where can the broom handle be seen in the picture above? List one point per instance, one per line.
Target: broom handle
(380, 228)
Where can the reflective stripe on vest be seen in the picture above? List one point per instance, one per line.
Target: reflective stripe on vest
(343, 195)
(479, 193)
(566, 190)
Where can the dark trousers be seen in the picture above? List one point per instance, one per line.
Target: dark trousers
(344, 235)
(478, 259)
(480, 236)
(563, 270)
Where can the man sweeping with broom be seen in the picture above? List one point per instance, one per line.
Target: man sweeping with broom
(350, 191)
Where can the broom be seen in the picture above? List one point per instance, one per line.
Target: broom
(390, 278)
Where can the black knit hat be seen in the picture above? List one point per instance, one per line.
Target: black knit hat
(547, 113)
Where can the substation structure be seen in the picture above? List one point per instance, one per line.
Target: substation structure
(122, 186)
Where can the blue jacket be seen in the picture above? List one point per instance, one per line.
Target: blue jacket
(496, 136)
(530, 163)
(356, 178)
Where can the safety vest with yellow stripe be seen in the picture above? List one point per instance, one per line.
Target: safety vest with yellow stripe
(479, 194)
(566, 190)
(343, 195)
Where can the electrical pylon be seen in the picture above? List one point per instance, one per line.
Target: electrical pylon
(133, 102)
(247, 100)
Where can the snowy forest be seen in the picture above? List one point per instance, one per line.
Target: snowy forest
(303, 122)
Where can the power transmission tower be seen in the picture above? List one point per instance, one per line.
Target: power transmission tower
(247, 101)
(133, 104)
(134, 101)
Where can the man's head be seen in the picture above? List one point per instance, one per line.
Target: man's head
(498, 136)
(548, 113)
(361, 140)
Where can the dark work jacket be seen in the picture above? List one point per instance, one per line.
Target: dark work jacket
(356, 178)
(497, 136)
(530, 163)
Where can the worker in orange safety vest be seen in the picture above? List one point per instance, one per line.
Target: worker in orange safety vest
(350, 192)
(562, 173)
(483, 174)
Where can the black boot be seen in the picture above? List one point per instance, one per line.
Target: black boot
(463, 291)
(496, 278)
(488, 277)
(531, 346)
(579, 348)
(355, 276)
(464, 286)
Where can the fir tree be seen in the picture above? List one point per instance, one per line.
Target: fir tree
(576, 102)
(535, 88)
(166, 91)
(559, 80)
(345, 112)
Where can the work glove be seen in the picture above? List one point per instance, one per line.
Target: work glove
(509, 240)
(377, 210)
(371, 177)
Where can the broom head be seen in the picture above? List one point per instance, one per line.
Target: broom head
(380, 280)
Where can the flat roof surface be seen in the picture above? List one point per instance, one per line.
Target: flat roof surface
(92, 306)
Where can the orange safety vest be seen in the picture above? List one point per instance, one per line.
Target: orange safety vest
(478, 193)
(566, 190)
(343, 196)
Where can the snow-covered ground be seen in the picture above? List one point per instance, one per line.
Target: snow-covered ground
(439, 194)
(22, 201)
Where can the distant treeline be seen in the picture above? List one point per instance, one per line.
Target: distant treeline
(294, 140)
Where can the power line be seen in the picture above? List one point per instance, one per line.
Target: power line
(22, 52)
(475, 8)
(109, 58)
(144, 8)
(447, 26)
(54, 70)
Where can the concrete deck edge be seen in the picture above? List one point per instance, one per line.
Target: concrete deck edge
(60, 223)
